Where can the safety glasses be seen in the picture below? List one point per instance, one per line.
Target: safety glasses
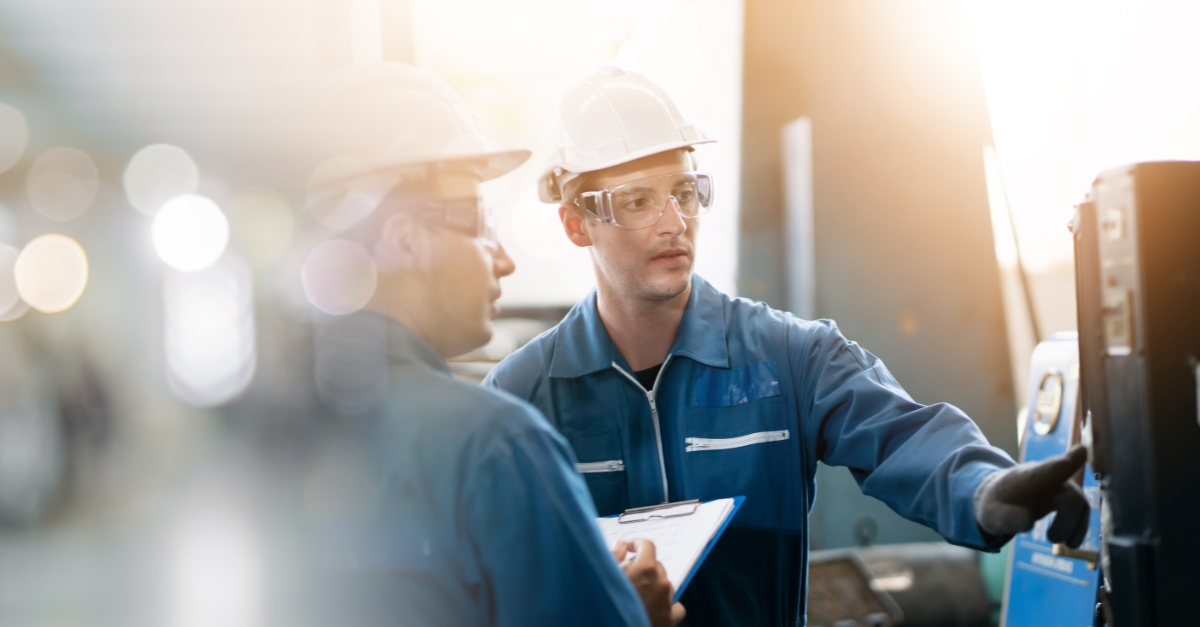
(469, 216)
(639, 204)
(465, 213)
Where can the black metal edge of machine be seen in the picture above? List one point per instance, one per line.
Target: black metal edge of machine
(1137, 253)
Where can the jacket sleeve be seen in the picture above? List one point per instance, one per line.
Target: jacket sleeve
(923, 461)
(533, 526)
(491, 381)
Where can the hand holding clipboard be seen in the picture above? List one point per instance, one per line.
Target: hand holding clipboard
(639, 560)
(682, 533)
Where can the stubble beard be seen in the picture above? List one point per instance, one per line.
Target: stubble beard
(663, 288)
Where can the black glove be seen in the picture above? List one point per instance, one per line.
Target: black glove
(1012, 500)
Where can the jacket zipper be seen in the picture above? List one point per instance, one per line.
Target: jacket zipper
(615, 465)
(662, 464)
(717, 444)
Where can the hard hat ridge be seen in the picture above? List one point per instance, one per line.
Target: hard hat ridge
(393, 116)
(609, 118)
(382, 125)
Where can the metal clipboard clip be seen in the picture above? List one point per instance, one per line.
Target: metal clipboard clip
(664, 510)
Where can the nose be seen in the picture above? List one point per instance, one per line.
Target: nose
(503, 265)
(671, 221)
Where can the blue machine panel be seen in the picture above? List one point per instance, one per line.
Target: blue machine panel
(1044, 588)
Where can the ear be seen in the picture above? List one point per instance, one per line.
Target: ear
(573, 226)
(404, 245)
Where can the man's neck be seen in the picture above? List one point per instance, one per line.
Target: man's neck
(642, 330)
(396, 308)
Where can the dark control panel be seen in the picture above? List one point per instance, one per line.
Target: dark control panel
(1137, 254)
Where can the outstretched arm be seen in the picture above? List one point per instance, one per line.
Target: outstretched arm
(925, 461)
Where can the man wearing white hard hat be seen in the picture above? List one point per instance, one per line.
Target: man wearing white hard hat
(669, 390)
(475, 513)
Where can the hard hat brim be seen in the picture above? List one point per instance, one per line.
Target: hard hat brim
(488, 165)
(549, 192)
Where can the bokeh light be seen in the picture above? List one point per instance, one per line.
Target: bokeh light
(261, 225)
(8, 279)
(14, 136)
(339, 277)
(62, 183)
(158, 173)
(209, 332)
(15, 312)
(190, 233)
(286, 276)
(51, 272)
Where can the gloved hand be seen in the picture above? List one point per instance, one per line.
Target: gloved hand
(1012, 500)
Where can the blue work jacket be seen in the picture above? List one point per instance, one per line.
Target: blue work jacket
(478, 515)
(746, 403)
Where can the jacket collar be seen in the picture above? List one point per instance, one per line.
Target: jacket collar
(582, 344)
(404, 345)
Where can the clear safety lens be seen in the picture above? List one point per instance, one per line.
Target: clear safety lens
(469, 216)
(639, 204)
(487, 228)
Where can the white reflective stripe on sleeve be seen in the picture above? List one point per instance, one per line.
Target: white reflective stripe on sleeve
(716, 444)
(615, 465)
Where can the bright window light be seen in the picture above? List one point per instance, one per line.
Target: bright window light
(1076, 87)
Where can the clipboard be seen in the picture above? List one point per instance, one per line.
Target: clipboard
(737, 504)
(652, 512)
(663, 510)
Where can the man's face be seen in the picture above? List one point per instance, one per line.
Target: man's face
(652, 263)
(464, 288)
(462, 279)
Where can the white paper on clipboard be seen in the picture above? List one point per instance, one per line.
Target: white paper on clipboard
(678, 541)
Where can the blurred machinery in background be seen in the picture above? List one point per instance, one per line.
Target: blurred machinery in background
(917, 584)
(55, 418)
(842, 593)
(1051, 584)
(1137, 252)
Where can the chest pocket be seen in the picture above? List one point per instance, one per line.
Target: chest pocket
(602, 464)
(738, 439)
(736, 386)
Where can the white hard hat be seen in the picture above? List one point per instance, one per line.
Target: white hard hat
(610, 118)
(392, 116)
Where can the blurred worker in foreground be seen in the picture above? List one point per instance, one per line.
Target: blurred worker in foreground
(700, 395)
(476, 514)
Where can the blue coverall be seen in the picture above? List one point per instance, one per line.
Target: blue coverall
(746, 403)
(478, 515)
